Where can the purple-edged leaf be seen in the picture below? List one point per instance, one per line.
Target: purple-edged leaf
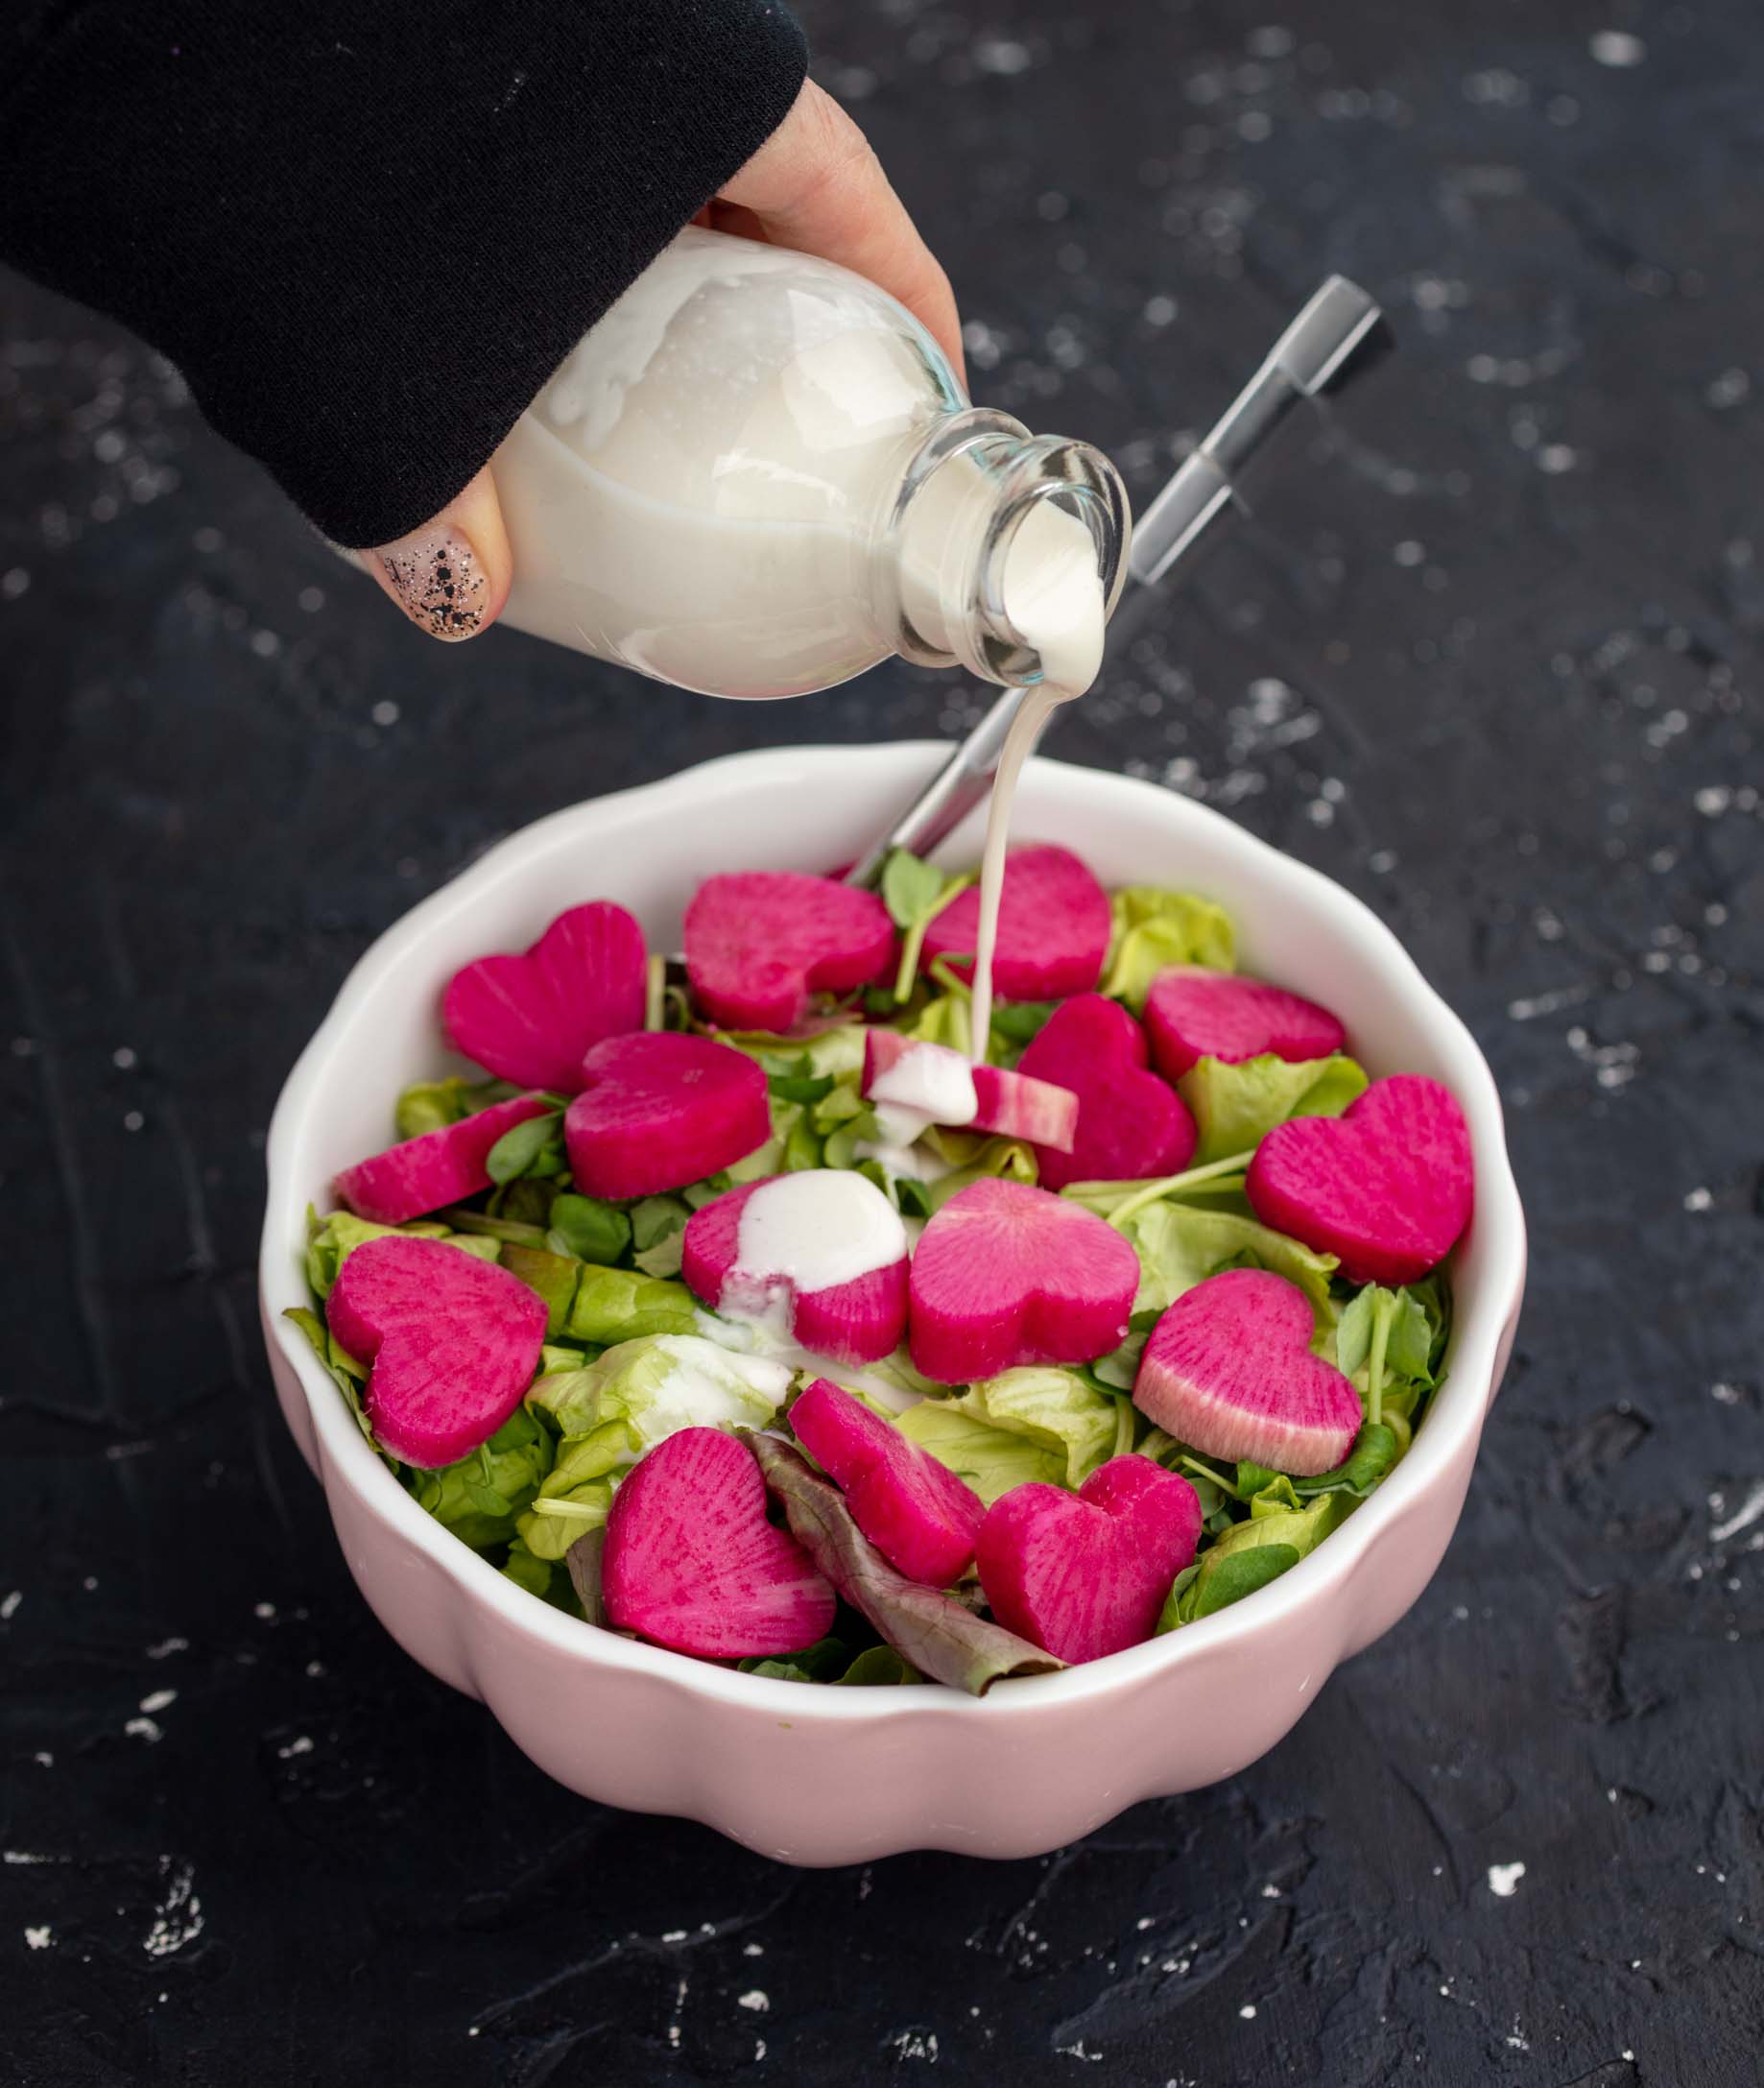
(929, 1630)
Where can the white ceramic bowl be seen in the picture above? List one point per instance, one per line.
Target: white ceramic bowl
(833, 1776)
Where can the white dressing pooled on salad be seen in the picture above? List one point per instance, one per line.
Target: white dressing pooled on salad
(701, 1385)
(929, 1085)
(813, 1230)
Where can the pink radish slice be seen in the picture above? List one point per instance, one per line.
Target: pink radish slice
(1005, 1274)
(760, 941)
(1130, 1122)
(532, 1017)
(658, 1110)
(1228, 1370)
(908, 1074)
(452, 1343)
(1388, 1186)
(425, 1174)
(916, 1512)
(1085, 1575)
(856, 1320)
(691, 1562)
(1053, 928)
(1195, 1013)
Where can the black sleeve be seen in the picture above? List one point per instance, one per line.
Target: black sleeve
(366, 234)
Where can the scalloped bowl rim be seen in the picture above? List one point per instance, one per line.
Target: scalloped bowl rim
(1475, 1337)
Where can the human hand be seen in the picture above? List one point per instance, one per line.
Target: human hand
(815, 186)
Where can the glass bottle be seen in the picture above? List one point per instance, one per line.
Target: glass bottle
(758, 475)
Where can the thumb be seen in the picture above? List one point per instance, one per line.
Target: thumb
(451, 576)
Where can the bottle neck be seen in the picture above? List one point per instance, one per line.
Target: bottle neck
(1009, 552)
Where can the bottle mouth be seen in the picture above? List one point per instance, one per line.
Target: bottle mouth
(961, 545)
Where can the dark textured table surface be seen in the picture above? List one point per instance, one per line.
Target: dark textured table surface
(1488, 656)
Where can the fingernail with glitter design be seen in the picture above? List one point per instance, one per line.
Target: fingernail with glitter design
(437, 580)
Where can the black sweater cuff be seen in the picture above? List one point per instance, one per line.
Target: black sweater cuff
(367, 234)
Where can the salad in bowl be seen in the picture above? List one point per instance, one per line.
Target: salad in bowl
(749, 1306)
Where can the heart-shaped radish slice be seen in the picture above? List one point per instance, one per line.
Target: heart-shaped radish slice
(658, 1110)
(1195, 1013)
(760, 941)
(824, 1247)
(1005, 1274)
(1083, 1574)
(1388, 1186)
(425, 1174)
(1053, 926)
(451, 1342)
(1130, 1122)
(532, 1018)
(931, 1084)
(691, 1562)
(916, 1512)
(1228, 1370)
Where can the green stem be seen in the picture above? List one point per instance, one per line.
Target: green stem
(1155, 1445)
(1218, 1479)
(1383, 1314)
(656, 993)
(1125, 1420)
(1173, 1184)
(912, 945)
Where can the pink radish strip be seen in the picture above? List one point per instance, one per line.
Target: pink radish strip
(916, 1512)
(907, 1074)
(1388, 1186)
(691, 1562)
(426, 1174)
(857, 1320)
(1130, 1122)
(1085, 1574)
(452, 1341)
(760, 941)
(658, 1110)
(531, 1018)
(1195, 1013)
(1053, 926)
(1005, 1274)
(1228, 1370)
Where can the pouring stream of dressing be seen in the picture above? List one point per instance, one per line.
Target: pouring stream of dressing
(1054, 597)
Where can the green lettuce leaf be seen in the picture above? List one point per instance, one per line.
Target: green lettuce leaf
(332, 1240)
(583, 1562)
(992, 1459)
(930, 1632)
(533, 1146)
(526, 1571)
(651, 1387)
(624, 1304)
(350, 1376)
(432, 1105)
(588, 1229)
(659, 1232)
(1053, 1407)
(552, 1275)
(1155, 929)
(479, 1498)
(1180, 1245)
(1234, 1107)
(1227, 1570)
(974, 1157)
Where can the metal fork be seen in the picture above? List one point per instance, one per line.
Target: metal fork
(1332, 339)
